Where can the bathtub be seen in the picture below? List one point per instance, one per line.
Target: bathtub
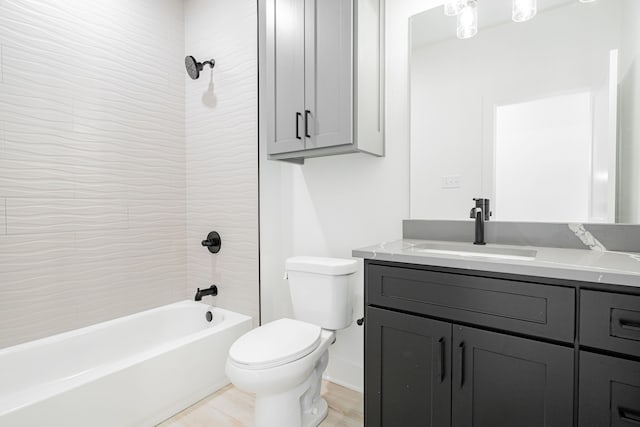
(133, 371)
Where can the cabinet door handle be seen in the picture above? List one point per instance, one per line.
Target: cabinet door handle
(306, 123)
(629, 416)
(631, 325)
(461, 350)
(442, 356)
(298, 115)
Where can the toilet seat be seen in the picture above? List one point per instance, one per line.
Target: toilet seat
(275, 344)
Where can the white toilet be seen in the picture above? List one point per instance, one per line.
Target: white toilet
(282, 361)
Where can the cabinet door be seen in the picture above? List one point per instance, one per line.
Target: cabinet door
(407, 370)
(505, 381)
(609, 391)
(285, 20)
(329, 73)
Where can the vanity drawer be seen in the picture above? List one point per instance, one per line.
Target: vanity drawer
(610, 321)
(511, 305)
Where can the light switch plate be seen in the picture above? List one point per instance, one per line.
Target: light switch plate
(452, 181)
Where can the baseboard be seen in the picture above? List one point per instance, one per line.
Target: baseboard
(343, 384)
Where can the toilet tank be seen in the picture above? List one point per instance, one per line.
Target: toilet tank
(321, 290)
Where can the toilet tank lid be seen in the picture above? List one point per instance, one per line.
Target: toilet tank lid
(320, 265)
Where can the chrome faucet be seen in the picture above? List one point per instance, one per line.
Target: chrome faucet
(481, 213)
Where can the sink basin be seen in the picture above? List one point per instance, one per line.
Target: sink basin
(468, 249)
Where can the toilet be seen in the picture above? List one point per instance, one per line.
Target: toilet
(282, 361)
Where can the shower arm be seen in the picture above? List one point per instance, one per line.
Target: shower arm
(211, 63)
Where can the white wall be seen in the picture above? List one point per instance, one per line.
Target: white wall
(456, 89)
(329, 206)
(92, 175)
(222, 151)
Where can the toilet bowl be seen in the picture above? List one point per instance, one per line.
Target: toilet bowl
(282, 361)
(286, 382)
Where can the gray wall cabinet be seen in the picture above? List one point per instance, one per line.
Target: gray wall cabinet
(322, 90)
(449, 347)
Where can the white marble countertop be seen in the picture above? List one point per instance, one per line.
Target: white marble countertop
(615, 268)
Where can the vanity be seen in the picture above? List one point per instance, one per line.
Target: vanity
(500, 335)
(540, 327)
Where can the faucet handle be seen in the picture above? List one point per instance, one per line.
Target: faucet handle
(213, 242)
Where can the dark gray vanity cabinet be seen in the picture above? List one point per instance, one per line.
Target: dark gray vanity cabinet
(428, 373)
(502, 380)
(609, 384)
(409, 373)
(462, 348)
(609, 391)
(447, 349)
(610, 321)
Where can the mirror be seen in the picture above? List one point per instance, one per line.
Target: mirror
(542, 117)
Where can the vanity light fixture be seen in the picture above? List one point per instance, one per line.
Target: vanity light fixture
(454, 7)
(468, 20)
(467, 13)
(523, 10)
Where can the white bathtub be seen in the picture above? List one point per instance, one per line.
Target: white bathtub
(134, 371)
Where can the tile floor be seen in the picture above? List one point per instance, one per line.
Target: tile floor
(231, 407)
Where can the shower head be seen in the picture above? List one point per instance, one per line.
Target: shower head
(194, 67)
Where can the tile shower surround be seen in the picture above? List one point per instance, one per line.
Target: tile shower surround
(99, 209)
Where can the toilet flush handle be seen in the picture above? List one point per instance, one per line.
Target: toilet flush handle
(360, 321)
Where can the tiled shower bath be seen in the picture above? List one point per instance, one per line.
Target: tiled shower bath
(114, 165)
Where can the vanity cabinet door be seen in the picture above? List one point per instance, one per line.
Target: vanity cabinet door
(504, 381)
(407, 370)
(609, 391)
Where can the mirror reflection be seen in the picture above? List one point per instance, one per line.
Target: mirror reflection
(540, 116)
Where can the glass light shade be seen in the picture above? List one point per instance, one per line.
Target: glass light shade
(523, 10)
(454, 7)
(468, 20)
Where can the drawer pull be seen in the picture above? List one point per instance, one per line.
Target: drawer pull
(630, 325)
(461, 348)
(629, 416)
(442, 356)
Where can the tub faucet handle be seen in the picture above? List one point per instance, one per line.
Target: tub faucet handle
(213, 242)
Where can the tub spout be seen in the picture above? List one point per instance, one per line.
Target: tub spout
(213, 291)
